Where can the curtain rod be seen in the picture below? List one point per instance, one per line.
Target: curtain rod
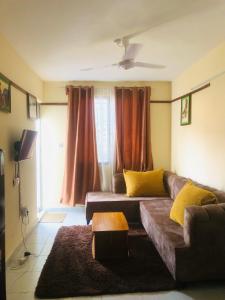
(53, 103)
(117, 87)
(131, 87)
(16, 86)
(65, 103)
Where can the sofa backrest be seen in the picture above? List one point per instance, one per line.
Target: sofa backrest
(204, 226)
(174, 184)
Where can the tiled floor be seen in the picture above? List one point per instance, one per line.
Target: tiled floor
(21, 283)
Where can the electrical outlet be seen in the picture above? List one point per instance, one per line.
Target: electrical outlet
(24, 212)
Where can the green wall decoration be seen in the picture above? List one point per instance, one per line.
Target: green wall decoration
(5, 95)
(185, 113)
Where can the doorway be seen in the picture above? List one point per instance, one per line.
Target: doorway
(53, 126)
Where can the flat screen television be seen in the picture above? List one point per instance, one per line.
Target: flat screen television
(24, 147)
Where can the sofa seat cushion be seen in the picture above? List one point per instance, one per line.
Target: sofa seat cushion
(106, 201)
(166, 235)
(156, 214)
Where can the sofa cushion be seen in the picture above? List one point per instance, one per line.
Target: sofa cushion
(156, 214)
(119, 185)
(166, 234)
(149, 183)
(106, 201)
(189, 195)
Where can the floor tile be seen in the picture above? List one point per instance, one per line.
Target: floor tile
(133, 296)
(37, 237)
(208, 291)
(25, 283)
(47, 248)
(27, 296)
(12, 276)
(211, 292)
(39, 263)
(170, 295)
(16, 267)
(20, 296)
(34, 248)
(85, 298)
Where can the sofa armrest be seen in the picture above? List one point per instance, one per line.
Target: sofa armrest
(205, 225)
(118, 184)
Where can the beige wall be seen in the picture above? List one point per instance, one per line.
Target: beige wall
(11, 124)
(160, 113)
(198, 150)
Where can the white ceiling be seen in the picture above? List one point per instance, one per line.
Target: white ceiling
(59, 37)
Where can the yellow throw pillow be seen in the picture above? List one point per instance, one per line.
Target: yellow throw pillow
(148, 183)
(189, 195)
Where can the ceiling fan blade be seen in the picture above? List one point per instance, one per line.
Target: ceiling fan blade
(129, 36)
(147, 65)
(87, 69)
(153, 24)
(96, 68)
(131, 51)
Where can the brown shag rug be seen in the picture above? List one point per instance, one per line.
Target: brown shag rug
(71, 271)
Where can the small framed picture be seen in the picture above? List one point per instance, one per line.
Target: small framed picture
(5, 95)
(32, 111)
(185, 114)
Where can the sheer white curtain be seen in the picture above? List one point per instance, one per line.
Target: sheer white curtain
(105, 132)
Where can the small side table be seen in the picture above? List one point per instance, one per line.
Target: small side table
(110, 235)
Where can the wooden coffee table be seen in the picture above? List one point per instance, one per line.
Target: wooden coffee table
(110, 235)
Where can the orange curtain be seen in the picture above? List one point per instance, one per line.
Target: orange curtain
(81, 167)
(133, 149)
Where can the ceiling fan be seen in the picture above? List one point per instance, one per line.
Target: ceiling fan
(130, 53)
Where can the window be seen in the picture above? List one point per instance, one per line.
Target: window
(102, 123)
(105, 128)
(105, 124)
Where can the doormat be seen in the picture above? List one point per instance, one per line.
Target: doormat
(71, 271)
(53, 217)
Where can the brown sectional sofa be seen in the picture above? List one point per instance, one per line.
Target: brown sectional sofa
(193, 252)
